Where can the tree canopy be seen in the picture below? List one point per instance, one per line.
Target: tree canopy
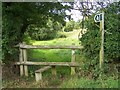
(17, 17)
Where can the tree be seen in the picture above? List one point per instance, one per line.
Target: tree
(17, 17)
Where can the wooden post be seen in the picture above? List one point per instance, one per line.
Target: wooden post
(38, 76)
(25, 60)
(21, 60)
(54, 71)
(73, 60)
(102, 41)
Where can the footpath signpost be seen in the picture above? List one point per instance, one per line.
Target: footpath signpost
(100, 18)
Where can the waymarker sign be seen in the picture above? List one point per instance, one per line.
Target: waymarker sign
(98, 17)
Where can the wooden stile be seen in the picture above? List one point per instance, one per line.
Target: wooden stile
(38, 73)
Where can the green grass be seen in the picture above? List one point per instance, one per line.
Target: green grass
(50, 55)
(84, 82)
(72, 37)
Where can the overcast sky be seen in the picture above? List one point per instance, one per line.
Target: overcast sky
(76, 15)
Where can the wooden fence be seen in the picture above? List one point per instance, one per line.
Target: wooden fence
(24, 62)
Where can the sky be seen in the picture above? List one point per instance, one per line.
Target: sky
(76, 15)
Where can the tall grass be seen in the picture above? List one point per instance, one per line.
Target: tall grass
(84, 82)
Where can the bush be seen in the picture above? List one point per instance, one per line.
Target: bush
(44, 33)
(78, 24)
(69, 26)
(91, 39)
(61, 36)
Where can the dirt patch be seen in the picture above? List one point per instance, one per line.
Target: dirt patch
(10, 71)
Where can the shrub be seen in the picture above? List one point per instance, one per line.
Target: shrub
(91, 39)
(69, 26)
(61, 36)
(44, 33)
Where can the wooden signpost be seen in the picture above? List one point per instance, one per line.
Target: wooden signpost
(100, 18)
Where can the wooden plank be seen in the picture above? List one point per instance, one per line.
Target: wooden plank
(49, 47)
(25, 60)
(72, 61)
(21, 60)
(73, 64)
(43, 69)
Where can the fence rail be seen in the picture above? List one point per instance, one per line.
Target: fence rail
(49, 47)
(72, 64)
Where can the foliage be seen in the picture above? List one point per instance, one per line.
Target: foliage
(45, 33)
(61, 34)
(77, 24)
(112, 35)
(71, 38)
(17, 17)
(69, 26)
(91, 39)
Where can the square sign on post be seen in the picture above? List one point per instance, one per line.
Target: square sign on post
(98, 17)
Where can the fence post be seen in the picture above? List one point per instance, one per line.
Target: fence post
(21, 60)
(25, 60)
(73, 60)
(38, 76)
(54, 73)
